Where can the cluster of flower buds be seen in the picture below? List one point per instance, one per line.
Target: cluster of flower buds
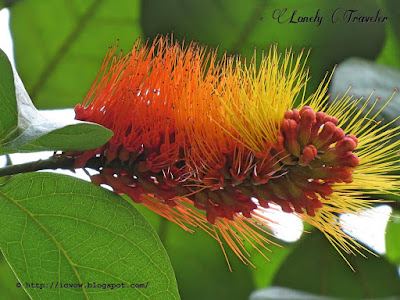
(311, 154)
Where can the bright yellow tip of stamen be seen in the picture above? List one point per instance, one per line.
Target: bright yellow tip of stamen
(378, 156)
(255, 98)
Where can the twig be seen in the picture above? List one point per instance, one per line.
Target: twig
(61, 162)
(53, 162)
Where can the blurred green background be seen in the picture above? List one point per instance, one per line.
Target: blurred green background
(59, 46)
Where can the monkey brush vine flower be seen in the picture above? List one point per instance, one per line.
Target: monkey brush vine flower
(212, 143)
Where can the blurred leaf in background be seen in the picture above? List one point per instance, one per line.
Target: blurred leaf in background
(68, 39)
(366, 77)
(200, 267)
(59, 45)
(266, 270)
(239, 26)
(7, 3)
(390, 54)
(316, 267)
(393, 239)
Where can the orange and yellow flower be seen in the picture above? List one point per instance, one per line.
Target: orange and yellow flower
(212, 143)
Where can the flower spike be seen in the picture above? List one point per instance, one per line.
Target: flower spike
(213, 143)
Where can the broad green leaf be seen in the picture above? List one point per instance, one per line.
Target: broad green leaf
(366, 77)
(37, 132)
(8, 283)
(315, 267)
(59, 229)
(199, 264)
(393, 239)
(60, 45)
(8, 102)
(238, 26)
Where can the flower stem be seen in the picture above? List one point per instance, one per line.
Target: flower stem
(96, 163)
(53, 163)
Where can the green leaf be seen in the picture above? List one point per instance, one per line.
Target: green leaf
(199, 264)
(315, 267)
(266, 270)
(36, 132)
(8, 282)
(55, 228)
(60, 45)
(390, 54)
(393, 10)
(238, 26)
(393, 239)
(7, 3)
(8, 102)
(365, 76)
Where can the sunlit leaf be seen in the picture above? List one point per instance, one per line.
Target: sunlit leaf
(8, 102)
(59, 45)
(393, 239)
(59, 229)
(24, 128)
(8, 283)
